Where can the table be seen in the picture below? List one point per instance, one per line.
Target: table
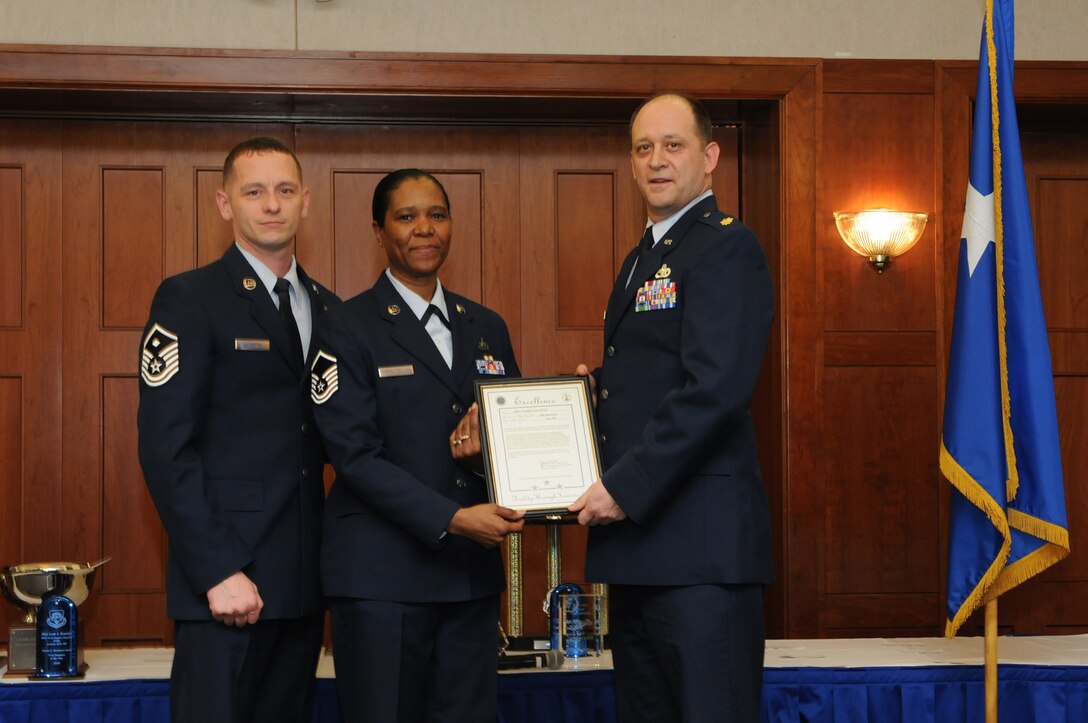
(886, 680)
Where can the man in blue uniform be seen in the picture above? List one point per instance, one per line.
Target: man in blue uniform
(233, 459)
(680, 520)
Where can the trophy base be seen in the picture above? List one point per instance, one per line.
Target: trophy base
(22, 651)
(81, 670)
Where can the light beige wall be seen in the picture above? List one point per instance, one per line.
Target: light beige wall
(926, 29)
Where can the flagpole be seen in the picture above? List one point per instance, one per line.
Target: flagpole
(991, 661)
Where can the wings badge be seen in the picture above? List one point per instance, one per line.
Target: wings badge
(159, 356)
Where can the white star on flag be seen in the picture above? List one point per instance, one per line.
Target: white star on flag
(978, 225)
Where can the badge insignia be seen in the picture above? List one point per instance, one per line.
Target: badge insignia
(667, 242)
(655, 295)
(726, 221)
(489, 365)
(159, 357)
(313, 286)
(482, 345)
(460, 309)
(393, 309)
(323, 377)
(56, 619)
(706, 215)
(664, 272)
(249, 283)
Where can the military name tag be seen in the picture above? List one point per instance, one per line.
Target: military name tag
(400, 370)
(252, 345)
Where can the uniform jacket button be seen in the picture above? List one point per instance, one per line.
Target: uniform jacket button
(604, 394)
(457, 408)
(462, 484)
(610, 351)
(305, 428)
(305, 473)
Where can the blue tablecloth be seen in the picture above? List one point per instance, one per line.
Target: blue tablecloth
(941, 694)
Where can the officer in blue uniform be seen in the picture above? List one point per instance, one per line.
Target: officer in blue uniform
(410, 560)
(680, 520)
(233, 459)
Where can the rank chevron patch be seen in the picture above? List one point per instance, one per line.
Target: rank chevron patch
(159, 358)
(323, 377)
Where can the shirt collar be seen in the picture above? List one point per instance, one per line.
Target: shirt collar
(662, 227)
(416, 302)
(267, 277)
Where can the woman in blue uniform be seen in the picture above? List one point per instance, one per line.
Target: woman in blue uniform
(410, 559)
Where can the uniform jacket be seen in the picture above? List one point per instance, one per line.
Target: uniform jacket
(387, 426)
(677, 440)
(227, 441)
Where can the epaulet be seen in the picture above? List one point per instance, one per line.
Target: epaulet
(718, 220)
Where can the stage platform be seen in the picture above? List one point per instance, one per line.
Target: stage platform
(883, 680)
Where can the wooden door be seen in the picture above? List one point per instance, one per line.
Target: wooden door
(31, 526)
(139, 205)
(1056, 167)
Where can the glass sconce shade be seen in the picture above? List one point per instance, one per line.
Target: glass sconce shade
(880, 234)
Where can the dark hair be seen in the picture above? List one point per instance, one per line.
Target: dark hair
(699, 113)
(383, 193)
(257, 146)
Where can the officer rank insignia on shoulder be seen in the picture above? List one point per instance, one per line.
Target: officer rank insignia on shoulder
(323, 377)
(159, 356)
(718, 219)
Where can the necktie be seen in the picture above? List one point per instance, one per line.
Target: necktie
(283, 290)
(433, 310)
(644, 247)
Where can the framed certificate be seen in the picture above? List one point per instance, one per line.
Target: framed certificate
(539, 440)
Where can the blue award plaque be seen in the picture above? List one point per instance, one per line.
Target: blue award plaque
(58, 643)
(554, 611)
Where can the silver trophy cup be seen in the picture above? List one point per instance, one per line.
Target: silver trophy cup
(25, 586)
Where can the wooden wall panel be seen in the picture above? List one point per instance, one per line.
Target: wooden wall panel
(213, 234)
(11, 451)
(11, 247)
(880, 150)
(1061, 243)
(358, 259)
(881, 492)
(880, 549)
(132, 244)
(131, 532)
(584, 225)
(11, 483)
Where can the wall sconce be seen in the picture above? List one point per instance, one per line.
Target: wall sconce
(880, 234)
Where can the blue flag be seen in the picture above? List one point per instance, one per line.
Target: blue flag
(1000, 443)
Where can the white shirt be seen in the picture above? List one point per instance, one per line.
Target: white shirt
(440, 335)
(300, 302)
